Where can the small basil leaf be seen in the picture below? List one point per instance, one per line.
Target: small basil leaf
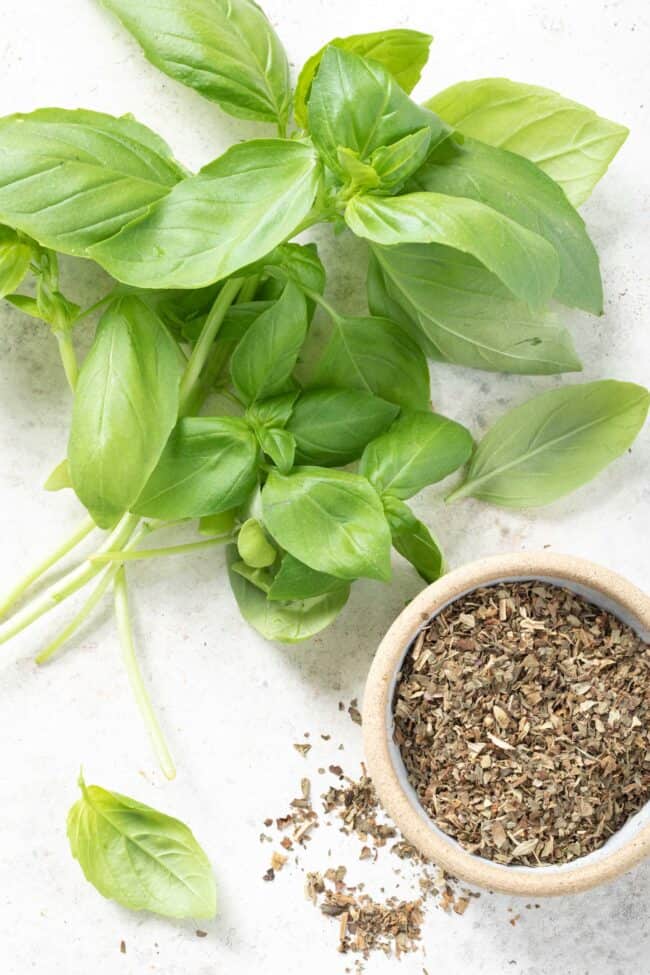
(262, 363)
(139, 857)
(225, 49)
(72, 178)
(15, 257)
(125, 407)
(59, 478)
(376, 355)
(555, 443)
(332, 426)
(332, 521)
(272, 412)
(394, 164)
(358, 176)
(298, 262)
(572, 144)
(402, 52)
(286, 622)
(279, 445)
(25, 304)
(526, 263)
(220, 524)
(237, 321)
(253, 546)
(260, 578)
(295, 580)
(418, 450)
(413, 540)
(259, 190)
(208, 466)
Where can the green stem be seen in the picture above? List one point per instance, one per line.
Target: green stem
(249, 288)
(97, 305)
(135, 676)
(203, 346)
(68, 357)
(86, 527)
(155, 553)
(69, 584)
(332, 312)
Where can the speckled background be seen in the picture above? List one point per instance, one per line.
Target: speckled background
(231, 704)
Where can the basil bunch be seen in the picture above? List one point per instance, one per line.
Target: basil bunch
(467, 204)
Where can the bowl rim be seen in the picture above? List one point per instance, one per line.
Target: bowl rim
(406, 813)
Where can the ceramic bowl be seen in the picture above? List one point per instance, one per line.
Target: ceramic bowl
(600, 586)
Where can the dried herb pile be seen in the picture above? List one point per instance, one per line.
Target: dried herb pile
(522, 714)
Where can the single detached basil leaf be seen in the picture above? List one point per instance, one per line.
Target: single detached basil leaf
(568, 141)
(520, 190)
(15, 257)
(139, 857)
(413, 540)
(286, 622)
(464, 313)
(72, 178)
(418, 450)
(555, 443)
(208, 466)
(253, 546)
(526, 263)
(402, 52)
(357, 104)
(332, 426)
(125, 407)
(225, 49)
(295, 580)
(395, 163)
(377, 355)
(232, 213)
(262, 363)
(59, 477)
(279, 445)
(330, 520)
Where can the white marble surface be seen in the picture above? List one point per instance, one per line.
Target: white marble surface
(232, 705)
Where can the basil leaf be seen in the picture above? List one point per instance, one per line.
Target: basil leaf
(555, 443)
(418, 450)
(72, 178)
(287, 622)
(402, 52)
(232, 213)
(299, 263)
(253, 546)
(394, 164)
(125, 407)
(140, 857)
(225, 49)
(572, 144)
(332, 426)
(520, 190)
(272, 412)
(413, 540)
(15, 257)
(465, 314)
(330, 520)
(237, 321)
(279, 445)
(208, 466)
(377, 355)
(524, 261)
(59, 478)
(356, 104)
(221, 524)
(262, 363)
(295, 580)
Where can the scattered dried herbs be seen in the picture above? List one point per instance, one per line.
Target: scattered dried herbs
(522, 714)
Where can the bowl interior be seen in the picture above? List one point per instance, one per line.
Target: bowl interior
(623, 836)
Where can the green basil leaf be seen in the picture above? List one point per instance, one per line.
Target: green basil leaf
(72, 178)
(413, 540)
(332, 426)
(26, 304)
(237, 321)
(330, 520)
(15, 257)
(272, 412)
(572, 144)
(394, 164)
(377, 355)
(286, 622)
(402, 52)
(59, 477)
(295, 580)
(279, 445)
(526, 263)
(299, 263)
(418, 450)
(221, 524)
(260, 578)
(125, 407)
(227, 216)
(226, 49)
(555, 443)
(356, 104)
(262, 364)
(465, 314)
(253, 545)
(140, 857)
(520, 190)
(208, 466)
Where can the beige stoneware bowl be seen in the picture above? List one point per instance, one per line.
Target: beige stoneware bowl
(627, 847)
